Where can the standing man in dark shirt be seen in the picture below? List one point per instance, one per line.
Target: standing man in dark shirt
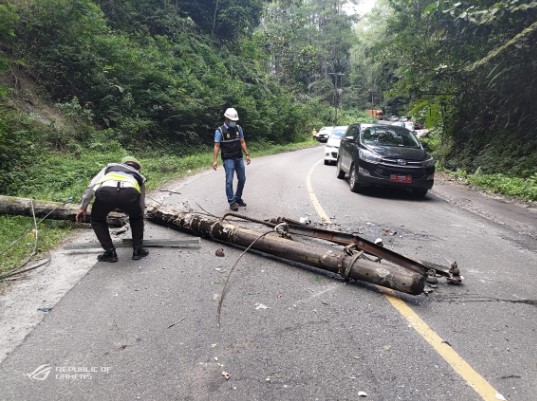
(229, 139)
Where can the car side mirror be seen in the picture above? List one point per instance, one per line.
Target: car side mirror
(425, 145)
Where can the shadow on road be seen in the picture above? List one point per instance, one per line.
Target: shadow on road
(396, 194)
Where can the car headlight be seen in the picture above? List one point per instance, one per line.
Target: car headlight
(429, 162)
(369, 156)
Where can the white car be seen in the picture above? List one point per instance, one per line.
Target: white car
(409, 125)
(331, 149)
(323, 134)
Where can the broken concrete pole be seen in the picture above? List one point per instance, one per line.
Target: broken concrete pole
(11, 205)
(340, 262)
(337, 262)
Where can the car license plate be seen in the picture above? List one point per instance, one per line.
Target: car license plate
(405, 179)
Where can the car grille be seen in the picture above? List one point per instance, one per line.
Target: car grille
(409, 163)
(388, 167)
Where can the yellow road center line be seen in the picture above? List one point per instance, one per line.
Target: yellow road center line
(459, 365)
(313, 197)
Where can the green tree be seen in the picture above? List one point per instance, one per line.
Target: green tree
(228, 20)
(474, 62)
(8, 19)
(308, 43)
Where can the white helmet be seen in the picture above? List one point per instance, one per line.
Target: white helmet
(232, 114)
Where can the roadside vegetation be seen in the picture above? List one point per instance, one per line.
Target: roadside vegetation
(522, 188)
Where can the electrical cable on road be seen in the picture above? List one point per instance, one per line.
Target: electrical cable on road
(16, 270)
(222, 295)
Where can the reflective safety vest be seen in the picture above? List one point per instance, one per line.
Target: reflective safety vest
(231, 142)
(114, 179)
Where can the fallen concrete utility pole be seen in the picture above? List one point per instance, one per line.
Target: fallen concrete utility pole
(345, 264)
(430, 269)
(353, 261)
(11, 205)
(151, 243)
(353, 242)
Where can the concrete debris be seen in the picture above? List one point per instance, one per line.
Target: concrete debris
(305, 220)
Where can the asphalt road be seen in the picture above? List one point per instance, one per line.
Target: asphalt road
(147, 330)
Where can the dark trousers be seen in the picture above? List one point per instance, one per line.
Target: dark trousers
(127, 200)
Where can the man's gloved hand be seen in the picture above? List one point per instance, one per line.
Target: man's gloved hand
(80, 215)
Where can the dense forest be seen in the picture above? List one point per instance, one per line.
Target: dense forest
(102, 77)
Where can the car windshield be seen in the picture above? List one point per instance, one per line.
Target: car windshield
(389, 136)
(338, 132)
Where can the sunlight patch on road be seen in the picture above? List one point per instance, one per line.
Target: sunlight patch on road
(458, 364)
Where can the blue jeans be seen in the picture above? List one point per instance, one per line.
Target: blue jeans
(231, 166)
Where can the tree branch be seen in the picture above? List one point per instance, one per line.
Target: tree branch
(496, 52)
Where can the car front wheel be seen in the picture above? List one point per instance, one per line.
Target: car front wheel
(339, 172)
(353, 180)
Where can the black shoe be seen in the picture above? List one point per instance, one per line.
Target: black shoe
(234, 206)
(139, 253)
(109, 256)
(240, 202)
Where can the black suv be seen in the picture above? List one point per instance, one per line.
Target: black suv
(385, 155)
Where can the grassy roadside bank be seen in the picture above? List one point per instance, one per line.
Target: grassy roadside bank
(59, 177)
(516, 187)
